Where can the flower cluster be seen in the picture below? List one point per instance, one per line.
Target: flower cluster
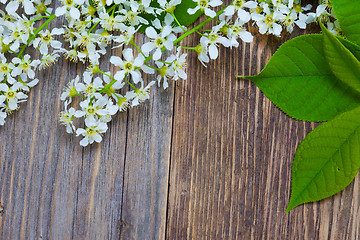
(17, 33)
(92, 27)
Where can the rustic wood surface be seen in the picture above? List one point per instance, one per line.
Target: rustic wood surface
(209, 158)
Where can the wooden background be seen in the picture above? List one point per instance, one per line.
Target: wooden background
(209, 158)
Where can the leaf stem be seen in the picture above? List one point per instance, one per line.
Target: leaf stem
(177, 21)
(199, 26)
(36, 33)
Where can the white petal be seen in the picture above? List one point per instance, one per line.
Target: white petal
(192, 11)
(136, 76)
(74, 13)
(43, 49)
(169, 45)
(2, 99)
(151, 33)
(168, 19)
(21, 95)
(183, 75)
(250, 4)
(33, 82)
(300, 24)
(139, 61)
(215, 3)
(29, 7)
(97, 138)
(79, 114)
(128, 54)
(277, 29)
(157, 54)
(244, 15)
(4, 87)
(16, 71)
(213, 51)
(12, 6)
(166, 31)
(12, 104)
(57, 31)
(246, 36)
(210, 13)
(117, 61)
(84, 142)
(147, 47)
(80, 131)
(230, 10)
(56, 44)
(60, 11)
(147, 70)
(120, 75)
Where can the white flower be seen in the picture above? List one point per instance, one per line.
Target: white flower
(71, 6)
(202, 52)
(164, 73)
(11, 95)
(129, 66)
(70, 90)
(92, 132)
(133, 18)
(17, 35)
(48, 59)
(92, 109)
(66, 118)
(301, 22)
(167, 6)
(237, 6)
(204, 5)
(237, 31)
(158, 41)
(117, 85)
(13, 6)
(178, 64)
(123, 102)
(110, 22)
(5, 71)
(46, 39)
(126, 37)
(321, 13)
(142, 94)
(213, 39)
(90, 88)
(24, 65)
(25, 86)
(266, 22)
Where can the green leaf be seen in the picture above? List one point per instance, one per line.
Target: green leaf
(327, 160)
(299, 81)
(180, 13)
(342, 62)
(348, 14)
(353, 48)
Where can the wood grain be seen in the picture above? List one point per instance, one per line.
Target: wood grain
(208, 158)
(231, 159)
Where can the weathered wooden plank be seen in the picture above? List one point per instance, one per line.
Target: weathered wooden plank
(51, 188)
(232, 152)
(147, 166)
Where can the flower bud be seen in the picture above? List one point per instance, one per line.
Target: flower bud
(91, 10)
(41, 8)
